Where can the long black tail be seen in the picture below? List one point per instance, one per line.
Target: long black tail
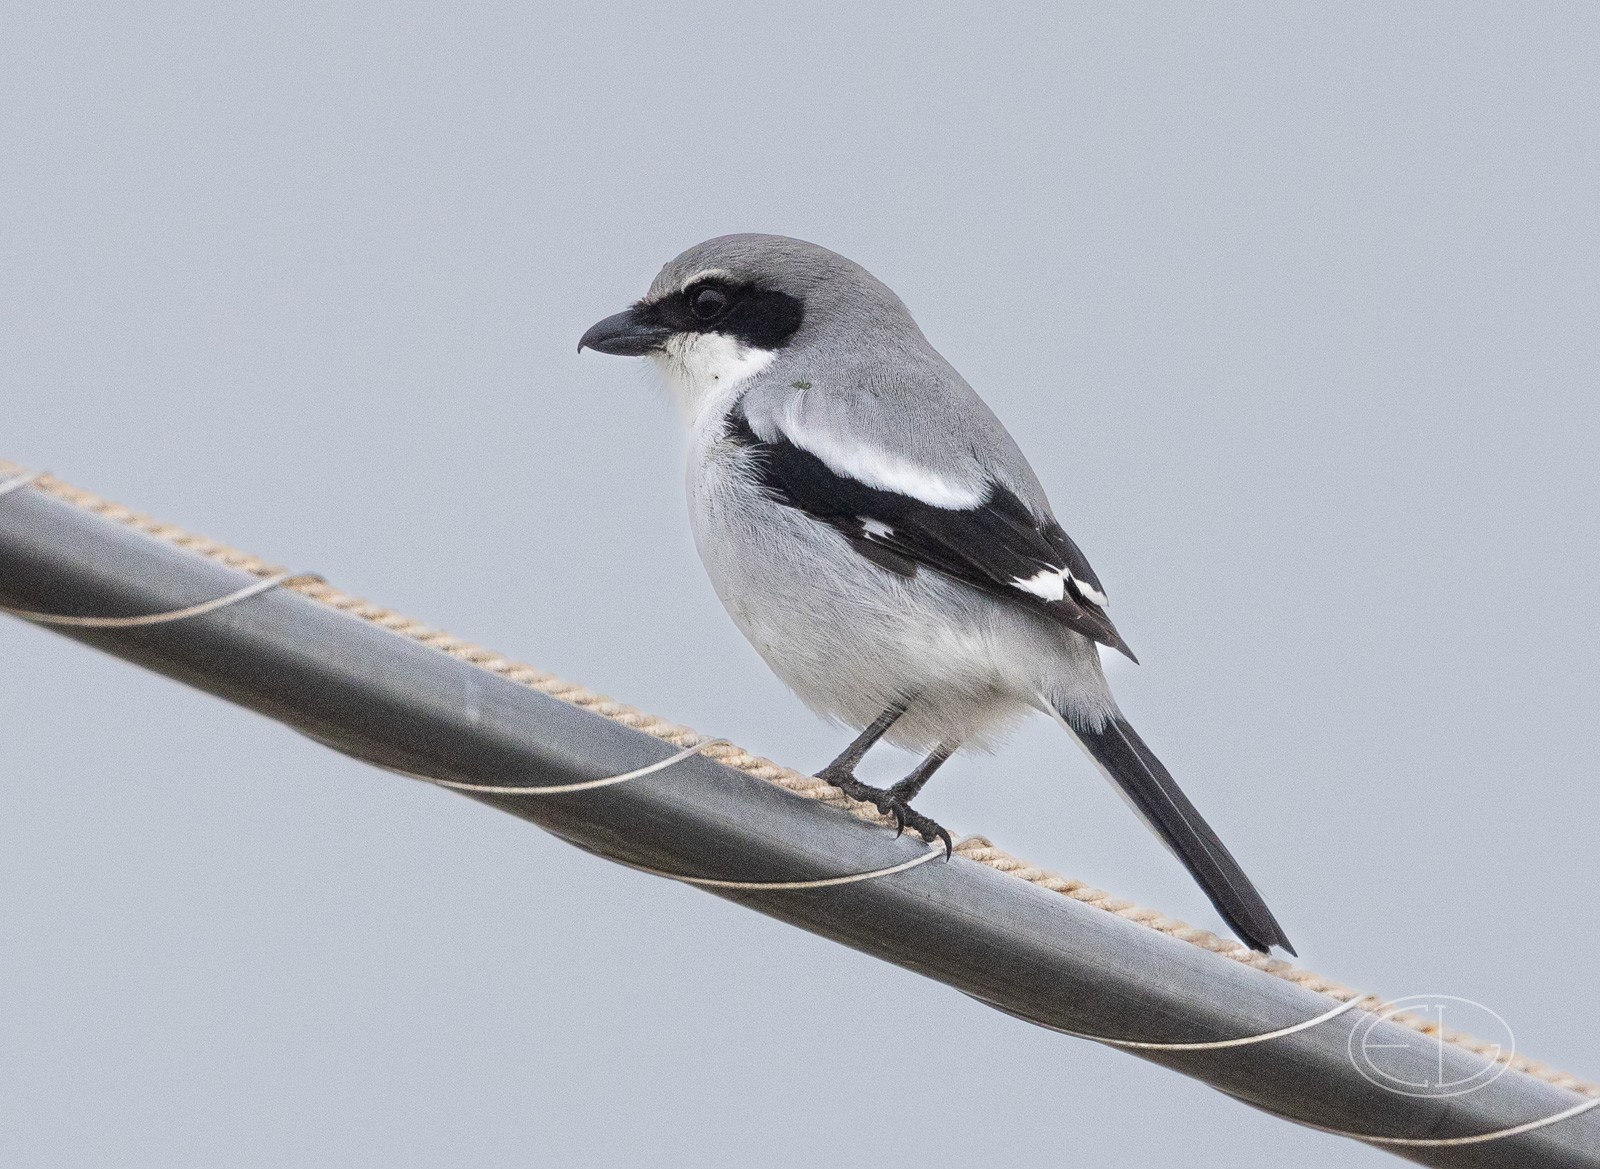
(1150, 787)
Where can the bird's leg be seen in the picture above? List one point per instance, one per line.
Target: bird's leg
(896, 801)
(843, 769)
(911, 786)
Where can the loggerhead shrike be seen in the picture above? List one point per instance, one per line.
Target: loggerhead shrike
(879, 538)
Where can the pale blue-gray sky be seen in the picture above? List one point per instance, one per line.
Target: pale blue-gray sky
(1292, 306)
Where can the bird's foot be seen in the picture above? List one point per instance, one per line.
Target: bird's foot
(891, 802)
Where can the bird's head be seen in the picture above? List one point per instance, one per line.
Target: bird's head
(726, 309)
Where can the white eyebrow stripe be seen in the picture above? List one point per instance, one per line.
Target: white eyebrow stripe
(706, 274)
(878, 468)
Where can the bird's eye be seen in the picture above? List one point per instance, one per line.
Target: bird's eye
(708, 303)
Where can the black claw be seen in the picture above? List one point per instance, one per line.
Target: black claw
(891, 803)
(930, 831)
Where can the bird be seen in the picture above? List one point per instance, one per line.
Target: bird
(880, 539)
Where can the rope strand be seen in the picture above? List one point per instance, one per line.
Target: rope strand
(1204, 1045)
(558, 789)
(1477, 1138)
(935, 851)
(211, 606)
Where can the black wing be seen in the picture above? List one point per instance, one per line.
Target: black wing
(999, 546)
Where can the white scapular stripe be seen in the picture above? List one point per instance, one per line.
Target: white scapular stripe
(881, 469)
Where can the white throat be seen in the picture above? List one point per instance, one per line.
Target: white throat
(705, 370)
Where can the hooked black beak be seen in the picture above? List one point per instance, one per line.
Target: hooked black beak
(627, 334)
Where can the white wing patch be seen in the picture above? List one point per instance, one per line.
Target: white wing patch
(874, 527)
(1091, 594)
(1051, 584)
